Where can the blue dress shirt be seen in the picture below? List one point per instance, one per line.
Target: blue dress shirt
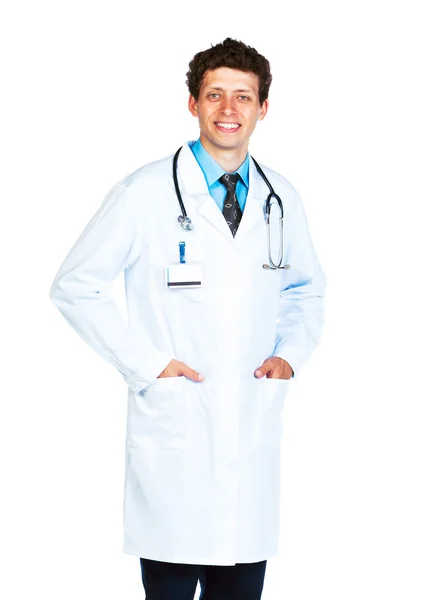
(212, 171)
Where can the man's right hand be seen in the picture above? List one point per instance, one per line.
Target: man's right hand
(176, 368)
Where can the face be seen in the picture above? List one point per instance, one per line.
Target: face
(228, 109)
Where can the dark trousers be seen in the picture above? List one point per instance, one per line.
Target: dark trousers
(177, 581)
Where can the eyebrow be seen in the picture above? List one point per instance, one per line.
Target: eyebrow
(223, 89)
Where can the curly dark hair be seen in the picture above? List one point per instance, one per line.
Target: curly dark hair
(235, 55)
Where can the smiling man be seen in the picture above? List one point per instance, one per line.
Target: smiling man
(221, 316)
(228, 108)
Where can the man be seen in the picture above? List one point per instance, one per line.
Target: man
(213, 336)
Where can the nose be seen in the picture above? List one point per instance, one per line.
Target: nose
(228, 106)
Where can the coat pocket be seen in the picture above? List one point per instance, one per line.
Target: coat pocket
(272, 395)
(158, 417)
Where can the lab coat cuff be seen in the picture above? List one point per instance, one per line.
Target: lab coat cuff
(147, 374)
(291, 356)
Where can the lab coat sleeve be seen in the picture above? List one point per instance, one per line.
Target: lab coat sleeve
(301, 313)
(108, 245)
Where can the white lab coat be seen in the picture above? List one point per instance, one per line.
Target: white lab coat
(202, 460)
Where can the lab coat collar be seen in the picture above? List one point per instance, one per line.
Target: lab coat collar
(192, 183)
(192, 180)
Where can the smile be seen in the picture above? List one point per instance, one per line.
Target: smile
(227, 126)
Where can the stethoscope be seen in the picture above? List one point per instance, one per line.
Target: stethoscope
(187, 224)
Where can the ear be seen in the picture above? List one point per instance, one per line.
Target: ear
(263, 110)
(192, 105)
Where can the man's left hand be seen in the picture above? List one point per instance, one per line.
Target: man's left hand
(274, 367)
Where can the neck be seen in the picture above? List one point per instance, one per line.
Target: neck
(229, 159)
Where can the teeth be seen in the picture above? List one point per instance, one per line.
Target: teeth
(229, 125)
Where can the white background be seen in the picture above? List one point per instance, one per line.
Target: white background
(91, 91)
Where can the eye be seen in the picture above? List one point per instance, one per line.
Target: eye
(213, 95)
(244, 98)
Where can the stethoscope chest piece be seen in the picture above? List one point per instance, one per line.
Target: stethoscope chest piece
(185, 222)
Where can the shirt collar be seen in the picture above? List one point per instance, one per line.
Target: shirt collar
(212, 170)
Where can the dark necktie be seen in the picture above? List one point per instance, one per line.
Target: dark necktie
(231, 209)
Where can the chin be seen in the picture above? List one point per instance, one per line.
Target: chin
(229, 142)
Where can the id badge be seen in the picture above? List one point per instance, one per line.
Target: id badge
(184, 274)
(187, 275)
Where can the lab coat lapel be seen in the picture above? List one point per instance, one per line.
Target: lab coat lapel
(253, 212)
(255, 206)
(210, 211)
(194, 186)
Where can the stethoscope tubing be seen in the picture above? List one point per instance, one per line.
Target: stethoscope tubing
(176, 183)
(186, 223)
